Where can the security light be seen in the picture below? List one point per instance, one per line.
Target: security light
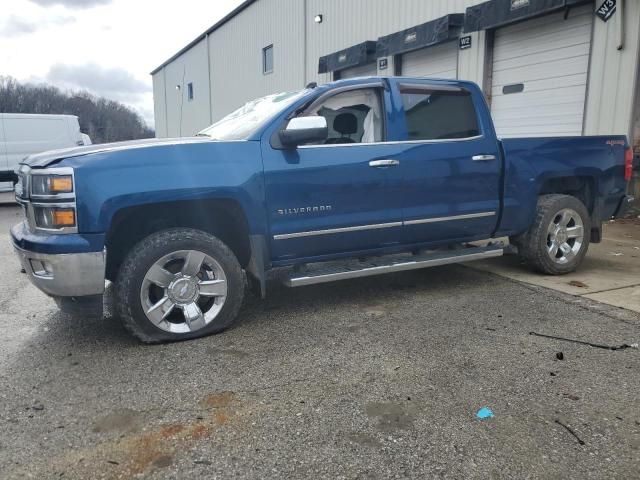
(318, 19)
(177, 87)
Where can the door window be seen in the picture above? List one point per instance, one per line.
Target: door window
(355, 116)
(439, 115)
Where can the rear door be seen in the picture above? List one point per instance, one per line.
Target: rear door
(75, 137)
(451, 165)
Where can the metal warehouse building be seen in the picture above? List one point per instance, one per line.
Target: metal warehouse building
(547, 67)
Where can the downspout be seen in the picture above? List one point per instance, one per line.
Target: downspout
(166, 107)
(304, 23)
(206, 38)
(621, 24)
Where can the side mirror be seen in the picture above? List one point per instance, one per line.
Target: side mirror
(302, 130)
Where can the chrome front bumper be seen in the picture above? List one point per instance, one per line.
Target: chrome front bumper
(65, 275)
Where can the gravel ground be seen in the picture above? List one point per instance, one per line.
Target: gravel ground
(371, 378)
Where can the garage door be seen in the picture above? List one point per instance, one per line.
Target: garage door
(367, 70)
(540, 75)
(440, 61)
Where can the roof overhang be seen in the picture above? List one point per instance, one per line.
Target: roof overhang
(496, 13)
(359, 54)
(427, 34)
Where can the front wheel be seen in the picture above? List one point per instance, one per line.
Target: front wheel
(558, 239)
(178, 284)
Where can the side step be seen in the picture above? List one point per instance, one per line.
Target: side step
(343, 270)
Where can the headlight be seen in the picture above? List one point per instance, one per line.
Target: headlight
(51, 184)
(54, 217)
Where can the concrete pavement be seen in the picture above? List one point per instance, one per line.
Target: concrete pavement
(610, 273)
(371, 378)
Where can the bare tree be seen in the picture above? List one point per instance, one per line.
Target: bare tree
(103, 120)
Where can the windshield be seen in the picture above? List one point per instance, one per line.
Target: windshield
(242, 123)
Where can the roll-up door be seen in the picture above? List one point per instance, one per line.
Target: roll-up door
(439, 61)
(539, 77)
(366, 70)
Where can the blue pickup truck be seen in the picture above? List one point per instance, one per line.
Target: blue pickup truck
(354, 178)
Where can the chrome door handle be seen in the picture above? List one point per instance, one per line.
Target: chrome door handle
(384, 163)
(483, 158)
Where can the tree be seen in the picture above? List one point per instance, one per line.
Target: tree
(103, 120)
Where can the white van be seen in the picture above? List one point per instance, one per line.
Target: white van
(25, 134)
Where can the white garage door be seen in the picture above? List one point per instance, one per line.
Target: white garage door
(540, 75)
(367, 70)
(440, 61)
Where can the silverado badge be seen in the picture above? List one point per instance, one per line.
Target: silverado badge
(303, 210)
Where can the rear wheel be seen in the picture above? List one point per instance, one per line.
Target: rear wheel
(179, 284)
(558, 240)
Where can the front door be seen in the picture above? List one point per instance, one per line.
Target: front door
(451, 169)
(341, 195)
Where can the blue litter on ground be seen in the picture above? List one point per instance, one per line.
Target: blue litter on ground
(484, 412)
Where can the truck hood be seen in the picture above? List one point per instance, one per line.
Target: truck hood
(44, 159)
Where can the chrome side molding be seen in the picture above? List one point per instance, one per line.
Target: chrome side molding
(358, 228)
(447, 219)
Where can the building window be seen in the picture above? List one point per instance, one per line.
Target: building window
(190, 91)
(267, 59)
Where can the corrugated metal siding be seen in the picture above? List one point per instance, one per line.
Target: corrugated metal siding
(471, 61)
(187, 117)
(236, 49)
(159, 104)
(236, 54)
(346, 23)
(612, 75)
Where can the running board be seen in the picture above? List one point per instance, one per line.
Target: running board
(342, 270)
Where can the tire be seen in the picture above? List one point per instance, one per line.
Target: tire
(166, 274)
(556, 227)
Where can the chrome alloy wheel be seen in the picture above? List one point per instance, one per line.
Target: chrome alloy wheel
(565, 236)
(184, 291)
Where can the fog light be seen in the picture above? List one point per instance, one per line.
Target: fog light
(55, 217)
(41, 268)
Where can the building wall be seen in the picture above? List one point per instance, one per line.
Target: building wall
(236, 54)
(472, 62)
(187, 117)
(346, 23)
(235, 58)
(160, 104)
(613, 74)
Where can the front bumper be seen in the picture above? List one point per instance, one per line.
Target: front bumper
(67, 274)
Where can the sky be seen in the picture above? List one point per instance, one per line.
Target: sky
(107, 47)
